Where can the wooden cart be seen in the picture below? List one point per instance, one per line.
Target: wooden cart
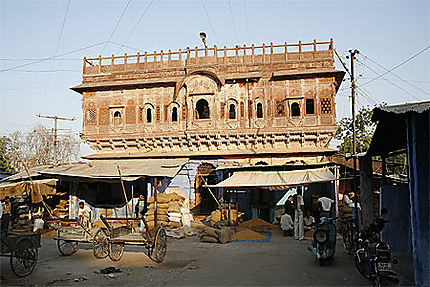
(22, 248)
(111, 239)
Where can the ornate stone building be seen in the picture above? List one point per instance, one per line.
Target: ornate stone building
(243, 106)
(243, 102)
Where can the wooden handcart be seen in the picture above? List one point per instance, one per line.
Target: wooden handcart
(22, 248)
(111, 239)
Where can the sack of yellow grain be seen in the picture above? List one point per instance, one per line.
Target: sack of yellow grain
(160, 211)
(174, 224)
(151, 224)
(174, 206)
(161, 198)
(159, 206)
(159, 218)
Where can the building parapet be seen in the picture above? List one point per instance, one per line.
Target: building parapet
(238, 55)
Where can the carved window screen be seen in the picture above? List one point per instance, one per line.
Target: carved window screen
(326, 106)
(91, 116)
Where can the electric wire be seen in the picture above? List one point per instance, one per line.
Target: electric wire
(232, 19)
(394, 84)
(138, 21)
(49, 58)
(210, 22)
(246, 20)
(125, 46)
(116, 25)
(397, 76)
(395, 67)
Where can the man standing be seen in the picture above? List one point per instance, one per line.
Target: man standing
(5, 217)
(84, 214)
(298, 202)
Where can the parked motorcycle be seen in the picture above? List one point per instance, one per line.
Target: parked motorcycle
(324, 242)
(373, 257)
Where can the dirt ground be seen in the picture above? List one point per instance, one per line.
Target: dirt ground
(280, 262)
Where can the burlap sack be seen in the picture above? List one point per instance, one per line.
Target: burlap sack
(161, 198)
(209, 239)
(209, 231)
(224, 235)
(160, 211)
(174, 224)
(151, 224)
(174, 206)
(159, 206)
(175, 219)
(159, 217)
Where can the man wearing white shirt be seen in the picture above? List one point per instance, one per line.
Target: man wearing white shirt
(325, 204)
(287, 224)
(299, 229)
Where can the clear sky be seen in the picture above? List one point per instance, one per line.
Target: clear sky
(385, 32)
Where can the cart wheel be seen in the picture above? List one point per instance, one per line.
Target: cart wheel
(23, 258)
(67, 248)
(159, 248)
(116, 251)
(100, 244)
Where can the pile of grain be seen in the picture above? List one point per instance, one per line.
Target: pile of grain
(248, 234)
(258, 225)
(173, 209)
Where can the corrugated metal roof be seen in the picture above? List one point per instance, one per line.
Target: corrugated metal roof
(406, 108)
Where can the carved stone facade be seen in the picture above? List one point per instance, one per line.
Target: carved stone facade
(231, 106)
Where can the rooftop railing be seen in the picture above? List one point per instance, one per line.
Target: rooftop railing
(208, 55)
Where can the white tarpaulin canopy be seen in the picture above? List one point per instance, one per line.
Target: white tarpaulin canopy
(131, 169)
(277, 178)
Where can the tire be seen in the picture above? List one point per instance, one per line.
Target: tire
(116, 251)
(363, 267)
(100, 244)
(159, 247)
(67, 248)
(23, 258)
(346, 241)
(323, 261)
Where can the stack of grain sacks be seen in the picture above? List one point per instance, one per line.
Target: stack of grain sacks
(173, 210)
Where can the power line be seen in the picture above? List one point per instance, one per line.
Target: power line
(395, 67)
(44, 71)
(415, 86)
(138, 21)
(210, 22)
(394, 84)
(116, 25)
(246, 17)
(125, 46)
(34, 59)
(232, 19)
(49, 58)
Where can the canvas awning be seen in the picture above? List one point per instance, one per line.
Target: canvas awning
(40, 187)
(263, 179)
(131, 169)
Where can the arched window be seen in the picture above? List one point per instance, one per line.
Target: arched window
(174, 114)
(232, 112)
(117, 119)
(148, 115)
(202, 109)
(295, 110)
(259, 110)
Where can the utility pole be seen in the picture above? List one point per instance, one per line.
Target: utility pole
(354, 135)
(55, 118)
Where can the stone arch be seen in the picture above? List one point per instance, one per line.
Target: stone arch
(174, 111)
(148, 113)
(204, 74)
